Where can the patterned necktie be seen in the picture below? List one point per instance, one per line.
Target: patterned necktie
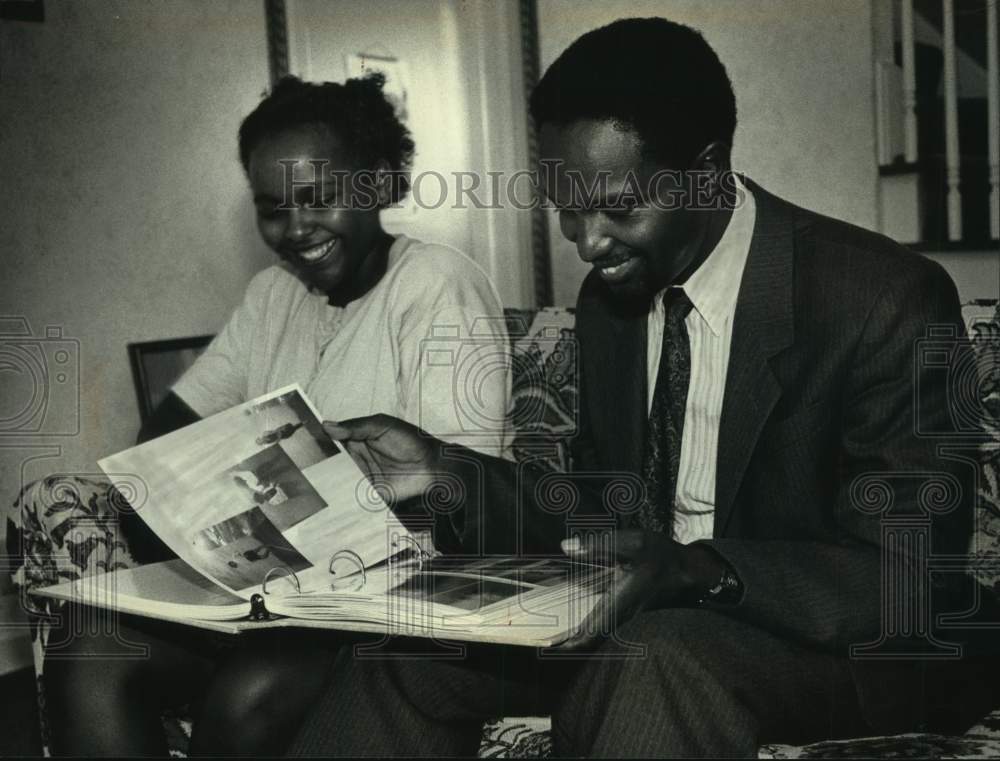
(666, 418)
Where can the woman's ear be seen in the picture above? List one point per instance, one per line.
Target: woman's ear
(383, 183)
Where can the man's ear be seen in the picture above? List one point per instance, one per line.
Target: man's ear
(712, 165)
(715, 158)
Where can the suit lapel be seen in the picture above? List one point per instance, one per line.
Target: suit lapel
(618, 408)
(628, 411)
(763, 325)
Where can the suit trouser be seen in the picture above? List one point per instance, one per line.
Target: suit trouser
(702, 684)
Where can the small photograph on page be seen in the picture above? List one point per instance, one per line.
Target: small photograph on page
(542, 577)
(475, 596)
(240, 550)
(457, 591)
(271, 481)
(544, 572)
(287, 422)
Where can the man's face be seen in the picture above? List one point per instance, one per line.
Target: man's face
(630, 222)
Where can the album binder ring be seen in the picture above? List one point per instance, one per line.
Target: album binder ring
(258, 610)
(422, 554)
(287, 571)
(353, 557)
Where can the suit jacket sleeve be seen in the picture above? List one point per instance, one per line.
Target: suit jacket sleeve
(829, 592)
(522, 508)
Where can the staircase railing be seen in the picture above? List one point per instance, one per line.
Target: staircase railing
(910, 32)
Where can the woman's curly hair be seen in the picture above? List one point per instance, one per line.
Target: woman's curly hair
(357, 112)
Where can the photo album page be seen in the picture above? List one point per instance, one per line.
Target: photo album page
(256, 487)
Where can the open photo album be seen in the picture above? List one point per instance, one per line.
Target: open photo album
(274, 525)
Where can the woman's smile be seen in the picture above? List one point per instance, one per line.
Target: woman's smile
(318, 255)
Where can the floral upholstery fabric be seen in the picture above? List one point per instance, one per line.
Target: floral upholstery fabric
(982, 741)
(544, 386)
(65, 527)
(60, 528)
(527, 737)
(984, 328)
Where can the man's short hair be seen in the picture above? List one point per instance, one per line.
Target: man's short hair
(660, 78)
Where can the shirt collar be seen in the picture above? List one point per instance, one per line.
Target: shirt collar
(715, 285)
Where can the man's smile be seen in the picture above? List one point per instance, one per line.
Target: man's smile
(616, 268)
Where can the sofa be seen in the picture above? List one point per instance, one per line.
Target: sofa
(62, 527)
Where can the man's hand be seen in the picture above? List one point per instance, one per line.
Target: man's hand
(652, 571)
(391, 452)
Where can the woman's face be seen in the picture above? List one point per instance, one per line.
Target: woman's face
(307, 211)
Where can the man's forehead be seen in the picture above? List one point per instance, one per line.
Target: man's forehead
(592, 145)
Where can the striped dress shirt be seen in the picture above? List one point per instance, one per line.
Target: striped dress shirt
(712, 289)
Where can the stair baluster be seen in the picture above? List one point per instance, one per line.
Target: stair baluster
(909, 81)
(952, 154)
(993, 115)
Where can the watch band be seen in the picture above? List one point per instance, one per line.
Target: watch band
(728, 590)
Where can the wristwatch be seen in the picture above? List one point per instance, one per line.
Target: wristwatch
(727, 591)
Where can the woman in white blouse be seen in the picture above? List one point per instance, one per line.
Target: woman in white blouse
(350, 313)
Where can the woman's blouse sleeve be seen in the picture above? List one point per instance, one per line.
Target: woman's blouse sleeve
(218, 379)
(454, 351)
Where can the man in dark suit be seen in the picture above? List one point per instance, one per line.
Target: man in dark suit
(754, 364)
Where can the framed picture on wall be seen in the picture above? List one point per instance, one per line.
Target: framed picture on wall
(394, 70)
(22, 10)
(156, 365)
